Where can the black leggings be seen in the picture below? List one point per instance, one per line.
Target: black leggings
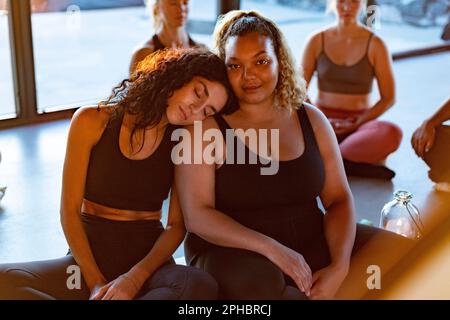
(117, 246)
(47, 280)
(243, 274)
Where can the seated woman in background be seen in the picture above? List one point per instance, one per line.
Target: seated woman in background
(347, 58)
(117, 173)
(265, 236)
(431, 142)
(170, 18)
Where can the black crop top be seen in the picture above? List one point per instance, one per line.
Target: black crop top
(115, 181)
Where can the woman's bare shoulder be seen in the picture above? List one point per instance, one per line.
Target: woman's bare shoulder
(90, 121)
(141, 52)
(207, 124)
(314, 114)
(319, 122)
(315, 39)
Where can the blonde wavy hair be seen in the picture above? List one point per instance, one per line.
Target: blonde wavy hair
(291, 88)
(153, 6)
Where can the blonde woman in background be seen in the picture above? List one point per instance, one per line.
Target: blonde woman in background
(347, 57)
(170, 18)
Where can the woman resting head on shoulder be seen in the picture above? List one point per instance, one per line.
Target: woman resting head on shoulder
(178, 86)
(117, 173)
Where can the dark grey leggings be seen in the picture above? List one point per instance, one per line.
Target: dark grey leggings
(117, 246)
(47, 280)
(243, 275)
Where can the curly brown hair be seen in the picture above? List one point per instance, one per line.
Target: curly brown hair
(291, 88)
(158, 76)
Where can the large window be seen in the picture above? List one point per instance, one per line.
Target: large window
(403, 24)
(82, 50)
(68, 53)
(7, 105)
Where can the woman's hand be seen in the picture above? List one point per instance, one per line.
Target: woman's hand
(326, 282)
(423, 139)
(344, 126)
(95, 292)
(294, 265)
(122, 288)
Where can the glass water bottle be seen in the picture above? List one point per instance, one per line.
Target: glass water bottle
(401, 216)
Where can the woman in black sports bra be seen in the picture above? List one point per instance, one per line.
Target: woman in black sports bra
(170, 18)
(347, 57)
(264, 236)
(117, 173)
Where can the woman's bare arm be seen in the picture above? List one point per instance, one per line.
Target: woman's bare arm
(423, 138)
(336, 196)
(85, 130)
(165, 246)
(196, 185)
(385, 78)
(309, 57)
(196, 189)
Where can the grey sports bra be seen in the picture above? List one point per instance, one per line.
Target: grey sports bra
(354, 79)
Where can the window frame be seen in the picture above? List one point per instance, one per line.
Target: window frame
(23, 69)
(23, 66)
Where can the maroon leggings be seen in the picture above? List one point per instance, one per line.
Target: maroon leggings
(371, 143)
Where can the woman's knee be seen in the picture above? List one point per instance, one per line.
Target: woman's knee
(11, 280)
(5, 283)
(378, 239)
(391, 134)
(185, 283)
(200, 285)
(372, 142)
(243, 275)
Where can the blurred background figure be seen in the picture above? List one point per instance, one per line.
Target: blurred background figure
(170, 18)
(431, 142)
(347, 57)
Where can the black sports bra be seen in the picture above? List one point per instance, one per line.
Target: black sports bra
(115, 181)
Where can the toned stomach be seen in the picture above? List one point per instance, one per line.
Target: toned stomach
(95, 209)
(348, 102)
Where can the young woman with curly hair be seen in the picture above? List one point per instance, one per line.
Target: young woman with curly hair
(265, 236)
(117, 173)
(169, 20)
